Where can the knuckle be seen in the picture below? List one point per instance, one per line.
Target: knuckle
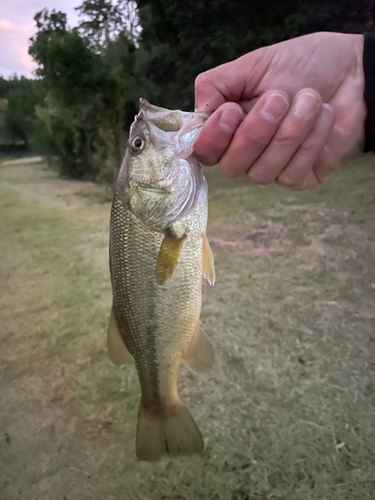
(200, 81)
(258, 176)
(308, 148)
(252, 137)
(319, 174)
(227, 169)
(207, 161)
(288, 182)
(228, 172)
(313, 92)
(285, 138)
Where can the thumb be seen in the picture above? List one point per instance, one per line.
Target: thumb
(235, 81)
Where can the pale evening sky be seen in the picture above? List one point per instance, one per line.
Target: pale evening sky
(17, 26)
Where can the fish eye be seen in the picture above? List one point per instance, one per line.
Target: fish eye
(137, 144)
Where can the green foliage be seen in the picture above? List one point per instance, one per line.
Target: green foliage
(90, 77)
(7, 86)
(102, 19)
(3, 108)
(184, 39)
(17, 101)
(349, 16)
(90, 94)
(19, 116)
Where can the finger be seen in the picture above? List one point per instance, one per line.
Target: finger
(291, 133)
(326, 164)
(217, 133)
(254, 133)
(295, 173)
(233, 81)
(311, 181)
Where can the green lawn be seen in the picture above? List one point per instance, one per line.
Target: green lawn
(287, 413)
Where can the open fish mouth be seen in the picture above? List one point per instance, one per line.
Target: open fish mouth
(169, 116)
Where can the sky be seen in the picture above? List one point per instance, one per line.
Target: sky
(17, 26)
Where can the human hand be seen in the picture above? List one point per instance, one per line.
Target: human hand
(270, 120)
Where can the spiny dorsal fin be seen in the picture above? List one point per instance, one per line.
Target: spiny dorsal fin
(201, 355)
(117, 350)
(168, 257)
(208, 262)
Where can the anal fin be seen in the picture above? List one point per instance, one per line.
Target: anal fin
(200, 356)
(117, 349)
(208, 262)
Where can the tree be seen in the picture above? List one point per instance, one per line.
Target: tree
(349, 16)
(182, 39)
(90, 92)
(7, 86)
(3, 109)
(76, 83)
(103, 21)
(20, 111)
(92, 76)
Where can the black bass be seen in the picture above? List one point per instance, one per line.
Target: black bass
(158, 255)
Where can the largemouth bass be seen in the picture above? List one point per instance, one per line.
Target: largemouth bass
(158, 255)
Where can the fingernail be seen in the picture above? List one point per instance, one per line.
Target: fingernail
(230, 118)
(325, 116)
(274, 107)
(305, 105)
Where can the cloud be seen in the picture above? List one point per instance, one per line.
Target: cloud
(23, 11)
(14, 40)
(17, 26)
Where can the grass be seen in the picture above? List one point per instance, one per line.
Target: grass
(289, 410)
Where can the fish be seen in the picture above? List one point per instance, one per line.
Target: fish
(158, 255)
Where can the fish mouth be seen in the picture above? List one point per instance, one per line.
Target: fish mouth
(151, 108)
(170, 120)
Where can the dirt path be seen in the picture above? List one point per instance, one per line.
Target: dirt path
(287, 413)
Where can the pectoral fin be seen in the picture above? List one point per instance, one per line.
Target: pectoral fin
(208, 262)
(201, 355)
(168, 257)
(117, 350)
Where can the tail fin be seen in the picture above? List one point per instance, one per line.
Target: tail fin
(174, 435)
